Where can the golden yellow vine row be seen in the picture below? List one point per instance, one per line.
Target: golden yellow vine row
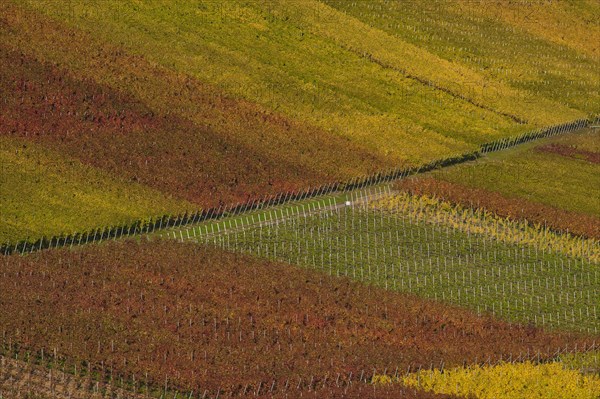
(503, 381)
(487, 223)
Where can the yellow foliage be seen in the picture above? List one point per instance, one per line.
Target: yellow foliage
(381, 379)
(486, 223)
(506, 381)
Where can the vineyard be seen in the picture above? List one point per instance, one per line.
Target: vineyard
(286, 199)
(335, 190)
(158, 121)
(409, 244)
(525, 379)
(179, 314)
(553, 182)
(206, 131)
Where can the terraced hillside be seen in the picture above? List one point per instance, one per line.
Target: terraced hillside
(219, 102)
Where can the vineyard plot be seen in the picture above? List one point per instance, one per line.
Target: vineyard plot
(520, 283)
(166, 316)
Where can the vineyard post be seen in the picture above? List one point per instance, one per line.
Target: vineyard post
(286, 197)
(276, 198)
(281, 197)
(208, 213)
(320, 190)
(302, 194)
(312, 190)
(293, 193)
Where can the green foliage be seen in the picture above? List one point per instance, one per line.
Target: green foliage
(550, 179)
(405, 89)
(46, 194)
(518, 282)
(553, 58)
(588, 362)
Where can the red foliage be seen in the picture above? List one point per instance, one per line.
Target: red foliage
(570, 152)
(363, 391)
(515, 208)
(21, 379)
(207, 319)
(239, 152)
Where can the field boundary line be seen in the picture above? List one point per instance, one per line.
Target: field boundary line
(152, 224)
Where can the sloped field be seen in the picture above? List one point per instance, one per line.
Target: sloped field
(554, 183)
(220, 102)
(520, 56)
(45, 193)
(408, 244)
(115, 112)
(203, 319)
(505, 381)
